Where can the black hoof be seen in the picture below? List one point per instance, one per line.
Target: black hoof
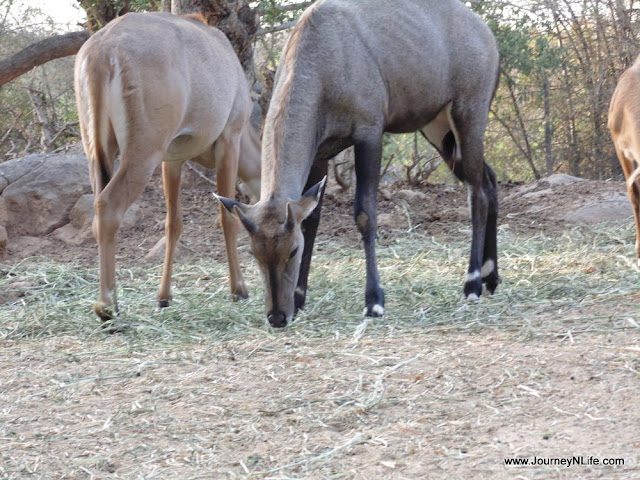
(299, 299)
(473, 287)
(491, 282)
(374, 301)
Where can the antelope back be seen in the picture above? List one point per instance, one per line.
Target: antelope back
(158, 81)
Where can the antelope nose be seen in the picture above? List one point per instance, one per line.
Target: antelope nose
(277, 319)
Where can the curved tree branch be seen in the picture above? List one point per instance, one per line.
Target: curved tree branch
(285, 8)
(277, 28)
(40, 53)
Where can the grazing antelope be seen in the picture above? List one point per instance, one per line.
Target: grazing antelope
(351, 70)
(159, 88)
(624, 124)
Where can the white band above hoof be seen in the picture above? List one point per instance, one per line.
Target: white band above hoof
(376, 311)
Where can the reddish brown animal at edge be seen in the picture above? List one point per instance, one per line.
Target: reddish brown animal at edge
(159, 88)
(624, 125)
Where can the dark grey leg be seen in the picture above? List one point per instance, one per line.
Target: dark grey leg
(368, 154)
(489, 269)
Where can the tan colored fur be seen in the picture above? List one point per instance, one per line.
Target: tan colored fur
(152, 100)
(624, 125)
(196, 16)
(290, 56)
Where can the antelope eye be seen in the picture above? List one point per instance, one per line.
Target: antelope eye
(293, 253)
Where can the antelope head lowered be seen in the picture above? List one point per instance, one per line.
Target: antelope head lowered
(624, 125)
(157, 88)
(277, 243)
(350, 71)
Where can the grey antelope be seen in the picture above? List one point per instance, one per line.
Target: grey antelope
(350, 71)
(624, 125)
(161, 89)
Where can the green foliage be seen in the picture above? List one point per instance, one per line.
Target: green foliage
(276, 18)
(566, 56)
(272, 13)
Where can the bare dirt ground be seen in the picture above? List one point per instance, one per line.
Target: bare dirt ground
(406, 404)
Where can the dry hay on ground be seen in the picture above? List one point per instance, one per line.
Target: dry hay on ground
(404, 405)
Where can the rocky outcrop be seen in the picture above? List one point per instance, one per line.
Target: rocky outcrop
(48, 194)
(40, 192)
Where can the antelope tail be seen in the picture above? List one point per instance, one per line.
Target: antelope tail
(94, 123)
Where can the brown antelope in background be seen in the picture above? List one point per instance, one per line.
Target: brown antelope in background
(161, 89)
(624, 124)
(352, 70)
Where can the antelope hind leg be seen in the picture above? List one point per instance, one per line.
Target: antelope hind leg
(110, 206)
(226, 151)
(633, 191)
(489, 270)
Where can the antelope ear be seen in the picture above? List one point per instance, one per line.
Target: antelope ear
(249, 224)
(226, 202)
(238, 209)
(317, 190)
(300, 209)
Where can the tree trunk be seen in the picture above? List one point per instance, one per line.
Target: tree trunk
(237, 20)
(176, 7)
(548, 153)
(101, 12)
(47, 135)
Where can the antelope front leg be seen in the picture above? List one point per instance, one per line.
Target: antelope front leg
(227, 168)
(171, 175)
(368, 155)
(633, 192)
(309, 229)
